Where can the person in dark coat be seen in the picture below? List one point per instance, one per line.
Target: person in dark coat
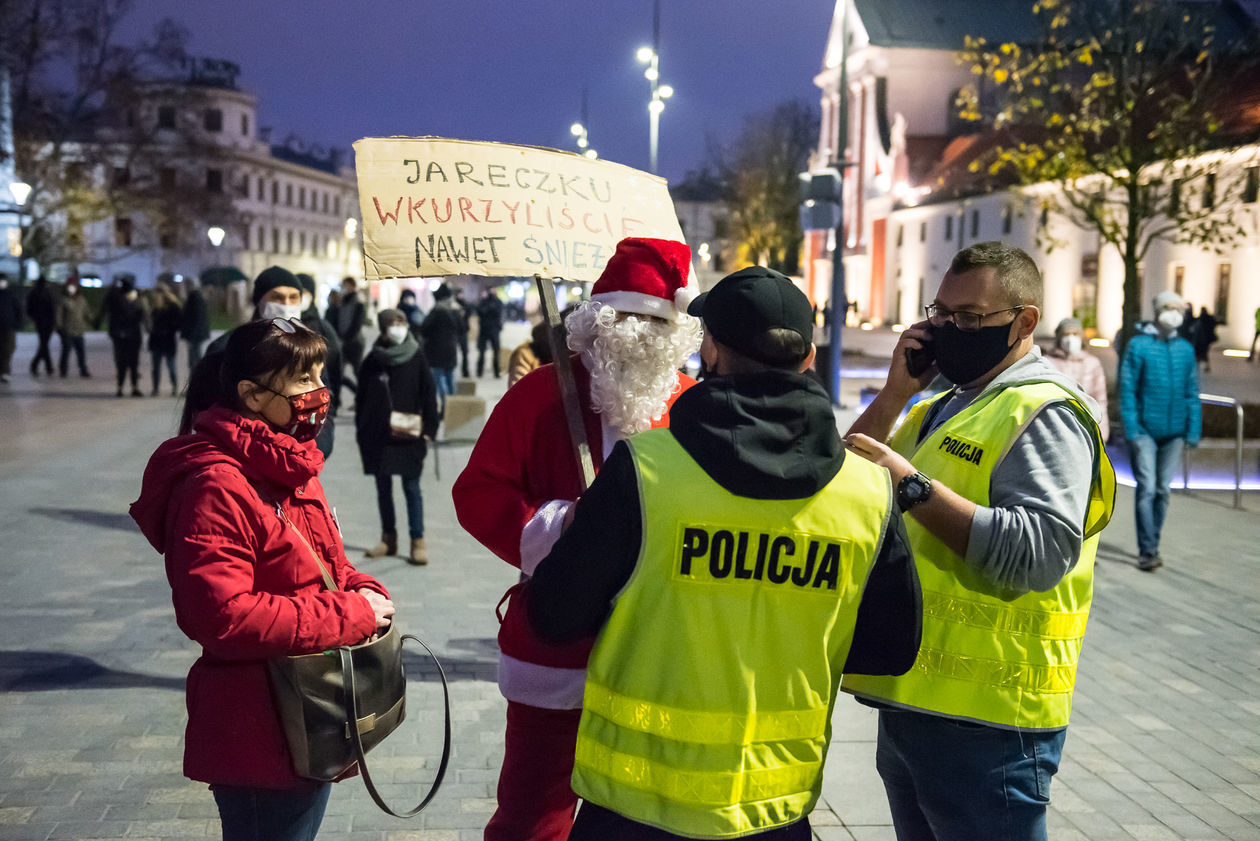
(466, 312)
(41, 308)
(489, 324)
(1204, 337)
(194, 327)
(350, 317)
(407, 306)
(332, 367)
(165, 318)
(10, 323)
(440, 332)
(126, 332)
(72, 323)
(395, 378)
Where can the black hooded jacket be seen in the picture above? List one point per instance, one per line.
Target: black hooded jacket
(770, 435)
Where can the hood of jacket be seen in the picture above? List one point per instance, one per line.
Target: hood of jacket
(272, 461)
(769, 435)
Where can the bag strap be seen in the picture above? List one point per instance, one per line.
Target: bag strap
(352, 717)
(329, 583)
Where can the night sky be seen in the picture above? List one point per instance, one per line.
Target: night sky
(512, 70)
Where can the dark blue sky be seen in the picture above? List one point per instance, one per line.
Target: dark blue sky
(511, 70)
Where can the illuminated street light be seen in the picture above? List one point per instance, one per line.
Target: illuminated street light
(216, 234)
(656, 104)
(578, 130)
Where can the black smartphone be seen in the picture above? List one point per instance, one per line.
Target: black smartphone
(918, 360)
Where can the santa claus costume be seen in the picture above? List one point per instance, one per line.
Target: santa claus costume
(522, 477)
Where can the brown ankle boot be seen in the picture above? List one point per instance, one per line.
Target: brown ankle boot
(418, 556)
(387, 546)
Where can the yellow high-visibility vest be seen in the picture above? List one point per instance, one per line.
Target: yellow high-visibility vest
(990, 656)
(709, 691)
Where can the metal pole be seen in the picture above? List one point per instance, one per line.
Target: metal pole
(839, 294)
(654, 113)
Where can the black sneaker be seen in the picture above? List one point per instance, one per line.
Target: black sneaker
(1149, 563)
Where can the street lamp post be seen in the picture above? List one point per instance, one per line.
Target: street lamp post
(660, 92)
(578, 130)
(21, 192)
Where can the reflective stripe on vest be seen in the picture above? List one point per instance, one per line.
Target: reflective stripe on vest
(709, 691)
(991, 656)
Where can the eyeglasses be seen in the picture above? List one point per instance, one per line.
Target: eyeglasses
(968, 322)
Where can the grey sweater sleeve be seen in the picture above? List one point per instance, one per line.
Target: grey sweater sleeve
(1031, 535)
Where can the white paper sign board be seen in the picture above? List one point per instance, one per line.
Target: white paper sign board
(433, 206)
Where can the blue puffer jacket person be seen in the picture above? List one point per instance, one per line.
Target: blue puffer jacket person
(1159, 405)
(1159, 387)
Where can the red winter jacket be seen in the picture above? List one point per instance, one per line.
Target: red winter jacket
(244, 585)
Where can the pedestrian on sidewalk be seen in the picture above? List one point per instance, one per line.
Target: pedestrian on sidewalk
(72, 324)
(522, 478)
(393, 379)
(235, 505)
(440, 332)
(41, 309)
(1205, 336)
(351, 315)
(1006, 485)
(489, 326)
(1256, 338)
(711, 568)
(165, 318)
(126, 332)
(1159, 406)
(529, 355)
(1070, 357)
(10, 324)
(194, 326)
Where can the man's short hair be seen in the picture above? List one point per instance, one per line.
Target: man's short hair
(1017, 273)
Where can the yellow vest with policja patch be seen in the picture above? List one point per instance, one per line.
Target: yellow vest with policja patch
(710, 688)
(988, 655)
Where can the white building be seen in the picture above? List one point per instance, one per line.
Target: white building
(902, 78)
(286, 205)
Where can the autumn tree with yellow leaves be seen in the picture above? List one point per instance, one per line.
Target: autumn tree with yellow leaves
(1118, 103)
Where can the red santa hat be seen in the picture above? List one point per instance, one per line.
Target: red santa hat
(648, 277)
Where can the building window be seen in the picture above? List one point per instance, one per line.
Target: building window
(122, 176)
(213, 119)
(245, 238)
(949, 227)
(1224, 275)
(262, 189)
(337, 206)
(275, 240)
(275, 192)
(1251, 189)
(1209, 191)
(288, 195)
(244, 125)
(325, 202)
(166, 178)
(302, 198)
(166, 116)
(245, 185)
(302, 242)
(122, 232)
(1006, 219)
(288, 241)
(214, 180)
(901, 235)
(975, 224)
(1179, 280)
(923, 232)
(262, 238)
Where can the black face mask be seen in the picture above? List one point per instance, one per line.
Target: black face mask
(965, 357)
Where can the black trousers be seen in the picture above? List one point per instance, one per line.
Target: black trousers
(44, 353)
(127, 361)
(68, 343)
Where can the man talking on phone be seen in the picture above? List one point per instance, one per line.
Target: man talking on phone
(1006, 486)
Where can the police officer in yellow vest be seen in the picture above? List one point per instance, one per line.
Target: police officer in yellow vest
(733, 565)
(1006, 485)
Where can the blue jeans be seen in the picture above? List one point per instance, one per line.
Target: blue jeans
(264, 814)
(955, 781)
(1154, 461)
(444, 379)
(415, 504)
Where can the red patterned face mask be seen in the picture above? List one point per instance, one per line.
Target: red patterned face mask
(308, 412)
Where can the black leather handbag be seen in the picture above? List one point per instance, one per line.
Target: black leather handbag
(337, 705)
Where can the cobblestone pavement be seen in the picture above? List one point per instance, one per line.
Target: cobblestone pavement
(1164, 742)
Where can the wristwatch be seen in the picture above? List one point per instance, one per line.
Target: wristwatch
(912, 490)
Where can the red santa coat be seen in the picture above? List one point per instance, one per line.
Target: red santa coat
(523, 460)
(244, 585)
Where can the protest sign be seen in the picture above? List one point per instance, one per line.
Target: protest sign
(433, 206)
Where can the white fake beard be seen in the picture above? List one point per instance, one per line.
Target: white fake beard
(633, 362)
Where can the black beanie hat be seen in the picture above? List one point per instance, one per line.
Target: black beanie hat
(273, 277)
(308, 283)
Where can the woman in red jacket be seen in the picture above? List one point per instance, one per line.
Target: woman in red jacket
(234, 504)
